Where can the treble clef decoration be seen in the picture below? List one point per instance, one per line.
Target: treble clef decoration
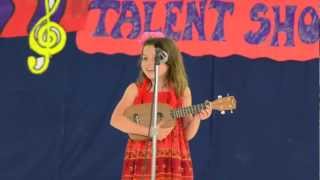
(46, 38)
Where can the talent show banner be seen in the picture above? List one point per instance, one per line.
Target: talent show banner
(17, 17)
(280, 30)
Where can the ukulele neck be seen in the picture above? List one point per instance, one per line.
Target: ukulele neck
(185, 111)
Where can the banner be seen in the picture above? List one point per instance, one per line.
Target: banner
(280, 30)
(17, 17)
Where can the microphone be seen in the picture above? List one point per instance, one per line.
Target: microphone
(161, 55)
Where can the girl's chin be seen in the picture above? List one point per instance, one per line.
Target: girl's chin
(150, 77)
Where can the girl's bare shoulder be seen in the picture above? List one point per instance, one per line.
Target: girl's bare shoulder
(132, 89)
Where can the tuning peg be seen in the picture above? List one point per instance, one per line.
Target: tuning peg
(228, 94)
(219, 96)
(222, 112)
(231, 111)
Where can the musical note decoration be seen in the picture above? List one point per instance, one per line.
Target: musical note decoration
(46, 38)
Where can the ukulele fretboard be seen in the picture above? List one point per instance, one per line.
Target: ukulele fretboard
(185, 111)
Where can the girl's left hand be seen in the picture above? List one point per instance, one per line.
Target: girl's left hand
(204, 114)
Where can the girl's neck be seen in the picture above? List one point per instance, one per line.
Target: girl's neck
(162, 85)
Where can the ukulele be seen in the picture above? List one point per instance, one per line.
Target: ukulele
(142, 114)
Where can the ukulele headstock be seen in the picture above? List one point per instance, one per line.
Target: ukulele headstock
(223, 104)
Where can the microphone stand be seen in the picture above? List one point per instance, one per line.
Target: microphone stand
(154, 130)
(160, 57)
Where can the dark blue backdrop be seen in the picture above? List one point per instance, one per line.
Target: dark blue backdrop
(56, 126)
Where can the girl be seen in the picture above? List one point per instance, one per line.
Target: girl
(173, 155)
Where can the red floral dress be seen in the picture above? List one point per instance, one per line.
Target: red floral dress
(173, 155)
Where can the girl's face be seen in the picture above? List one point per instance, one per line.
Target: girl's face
(147, 63)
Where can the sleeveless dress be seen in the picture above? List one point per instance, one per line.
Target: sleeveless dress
(173, 154)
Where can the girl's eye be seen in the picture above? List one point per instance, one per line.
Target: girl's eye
(144, 58)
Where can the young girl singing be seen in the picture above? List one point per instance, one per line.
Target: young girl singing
(173, 155)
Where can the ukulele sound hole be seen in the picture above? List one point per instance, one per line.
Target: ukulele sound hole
(136, 118)
(160, 115)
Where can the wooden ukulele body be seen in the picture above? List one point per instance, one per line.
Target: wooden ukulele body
(142, 114)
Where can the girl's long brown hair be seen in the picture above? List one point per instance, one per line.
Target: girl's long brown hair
(176, 75)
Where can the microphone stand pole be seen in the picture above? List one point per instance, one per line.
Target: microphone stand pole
(154, 130)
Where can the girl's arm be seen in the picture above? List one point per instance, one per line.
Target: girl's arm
(192, 123)
(119, 121)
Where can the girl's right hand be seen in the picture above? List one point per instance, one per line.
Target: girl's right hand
(162, 132)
